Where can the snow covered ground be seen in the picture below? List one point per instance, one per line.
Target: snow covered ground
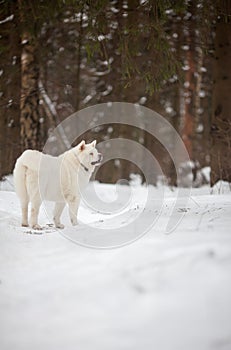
(163, 292)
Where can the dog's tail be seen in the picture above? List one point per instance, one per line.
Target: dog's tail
(20, 180)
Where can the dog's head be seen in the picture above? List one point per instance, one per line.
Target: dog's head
(88, 155)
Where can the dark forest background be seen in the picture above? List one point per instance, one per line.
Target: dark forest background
(174, 57)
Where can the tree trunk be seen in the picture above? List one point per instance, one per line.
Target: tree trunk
(221, 106)
(29, 106)
(79, 62)
(10, 90)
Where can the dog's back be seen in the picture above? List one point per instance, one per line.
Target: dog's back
(37, 171)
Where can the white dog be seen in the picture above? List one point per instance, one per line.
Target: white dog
(61, 179)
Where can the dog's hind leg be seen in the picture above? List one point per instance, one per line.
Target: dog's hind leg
(20, 172)
(57, 213)
(35, 205)
(24, 208)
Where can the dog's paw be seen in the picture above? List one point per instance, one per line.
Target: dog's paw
(61, 226)
(74, 222)
(37, 227)
(24, 224)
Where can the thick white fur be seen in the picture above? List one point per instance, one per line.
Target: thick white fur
(61, 179)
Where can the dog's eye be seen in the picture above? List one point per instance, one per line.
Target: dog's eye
(91, 154)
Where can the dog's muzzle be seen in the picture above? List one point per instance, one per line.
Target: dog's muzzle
(99, 160)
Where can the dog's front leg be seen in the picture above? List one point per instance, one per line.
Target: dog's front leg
(73, 210)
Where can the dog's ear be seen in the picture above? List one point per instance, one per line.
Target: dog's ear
(82, 145)
(93, 144)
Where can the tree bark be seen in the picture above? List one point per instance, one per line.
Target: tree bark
(221, 106)
(10, 90)
(29, 104)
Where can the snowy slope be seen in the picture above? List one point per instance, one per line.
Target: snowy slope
(164, 292)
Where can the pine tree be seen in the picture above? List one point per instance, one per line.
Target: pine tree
(221, 103)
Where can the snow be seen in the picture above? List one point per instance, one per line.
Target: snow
(165, 292)
(7, 19)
